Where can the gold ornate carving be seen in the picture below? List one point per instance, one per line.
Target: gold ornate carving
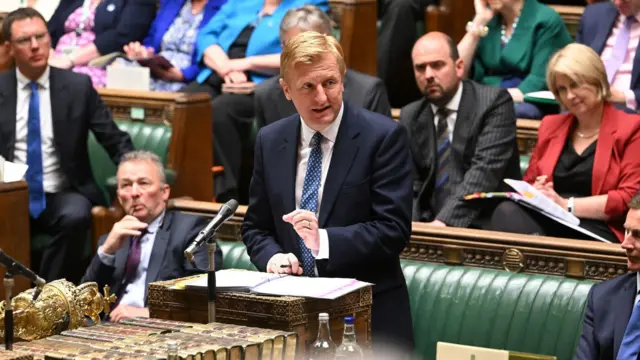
(483, 258)
(60, 306)
(600, 271)
(513, 260)
(546, 265)
(423, 252)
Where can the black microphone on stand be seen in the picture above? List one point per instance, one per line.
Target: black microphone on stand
(206, 235)
(226, 211)
(18, 269)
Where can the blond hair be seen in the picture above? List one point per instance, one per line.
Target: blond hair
(580, 64)
(307, 48)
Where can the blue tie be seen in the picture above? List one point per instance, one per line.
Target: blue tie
(309, 199)
(444, 154)
(630, 346)
(37, 200)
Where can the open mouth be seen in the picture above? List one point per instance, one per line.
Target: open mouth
(322, 109)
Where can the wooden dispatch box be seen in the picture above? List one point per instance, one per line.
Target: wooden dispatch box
(286, 313)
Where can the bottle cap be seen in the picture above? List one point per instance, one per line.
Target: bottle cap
(348, 320)
(323, 316)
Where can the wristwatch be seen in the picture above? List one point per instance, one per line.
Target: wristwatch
(570, 206)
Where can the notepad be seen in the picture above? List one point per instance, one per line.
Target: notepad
(278, 284)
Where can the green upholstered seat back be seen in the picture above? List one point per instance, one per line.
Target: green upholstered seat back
(234, 255)
(144, 136)
(524, 163)
(537, 314)
(495, 309)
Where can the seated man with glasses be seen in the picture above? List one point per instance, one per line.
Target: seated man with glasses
(45, 117)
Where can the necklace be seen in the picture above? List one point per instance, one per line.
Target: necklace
(503, 31)
(583, 136)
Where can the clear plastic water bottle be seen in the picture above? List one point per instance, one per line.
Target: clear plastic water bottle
(349, 349)
(172, 350)
(323, 348)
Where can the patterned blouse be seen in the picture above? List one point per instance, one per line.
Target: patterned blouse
(71, 40)
(177, 46)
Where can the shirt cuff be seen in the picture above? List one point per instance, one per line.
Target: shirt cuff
(323, 251)
(630, 99)
(106, 259)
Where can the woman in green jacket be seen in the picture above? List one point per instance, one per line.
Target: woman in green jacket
(509, 43)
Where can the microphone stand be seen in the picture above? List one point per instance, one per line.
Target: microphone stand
(8, 310)
(211, 278)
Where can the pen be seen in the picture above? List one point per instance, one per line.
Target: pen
(285, 266)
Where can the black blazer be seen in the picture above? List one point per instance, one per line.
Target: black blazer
(117, 22)
(76, 108)
(167, 261)
(484, 151)
(361, 90)
(609, 308)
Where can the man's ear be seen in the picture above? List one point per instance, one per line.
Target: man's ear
(166, 190)
(285, 89)
(8, 48)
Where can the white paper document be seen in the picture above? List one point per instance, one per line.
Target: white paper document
(278, 285)
(544, 94)
(13, 172)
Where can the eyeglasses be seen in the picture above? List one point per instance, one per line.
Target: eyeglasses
(25, 41)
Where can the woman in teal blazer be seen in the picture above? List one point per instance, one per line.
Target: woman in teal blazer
(509, 43)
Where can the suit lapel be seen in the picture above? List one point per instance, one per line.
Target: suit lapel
(608, 20)
(286, 167)
(604, 149)
(160, 246)
(344, 151)
(59, 99)
(635, 70)
(556, 144)
(623, 302)
(423, 147)
(465, 118)
(8, 100)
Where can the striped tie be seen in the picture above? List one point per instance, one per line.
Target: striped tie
(444, 154)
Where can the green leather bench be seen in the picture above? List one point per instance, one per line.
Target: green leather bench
(482, 307)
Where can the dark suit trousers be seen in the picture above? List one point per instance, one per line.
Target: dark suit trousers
(396, 37)
(391, 325)
(67, 219)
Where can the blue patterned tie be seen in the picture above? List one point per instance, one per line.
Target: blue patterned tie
(37, 200)
(309, 199)
(444, 154)
(630, 346)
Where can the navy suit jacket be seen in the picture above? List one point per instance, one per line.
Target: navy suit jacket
(365, 207)
(117, 22)
(595, 27)
(167, 261)
(169, 10)
(76, 109)
(608, 311)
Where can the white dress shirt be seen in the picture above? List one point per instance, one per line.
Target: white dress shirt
(134, 294)
(304, 150)
(637, 288)
(53, 177)
(453, 105)
(44, 7)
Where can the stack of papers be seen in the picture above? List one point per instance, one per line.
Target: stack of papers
(278, 284)
(10, 172)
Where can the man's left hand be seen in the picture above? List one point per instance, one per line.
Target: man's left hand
(305, 223)
(126, 312)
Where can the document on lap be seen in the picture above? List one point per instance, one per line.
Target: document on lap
(278, 284)
(528, 196)
(10, 172)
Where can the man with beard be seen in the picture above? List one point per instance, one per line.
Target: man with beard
(148, 244)
(463, 136)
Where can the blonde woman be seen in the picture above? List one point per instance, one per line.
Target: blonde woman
(586, 160)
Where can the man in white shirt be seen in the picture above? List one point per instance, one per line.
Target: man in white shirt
(45, 118)
(611, 328)
(331, 189)
(148, 244)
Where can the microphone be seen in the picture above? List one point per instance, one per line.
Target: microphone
(226, 211)
(17, 268)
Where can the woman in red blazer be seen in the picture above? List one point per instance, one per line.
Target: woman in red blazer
(586, 160)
